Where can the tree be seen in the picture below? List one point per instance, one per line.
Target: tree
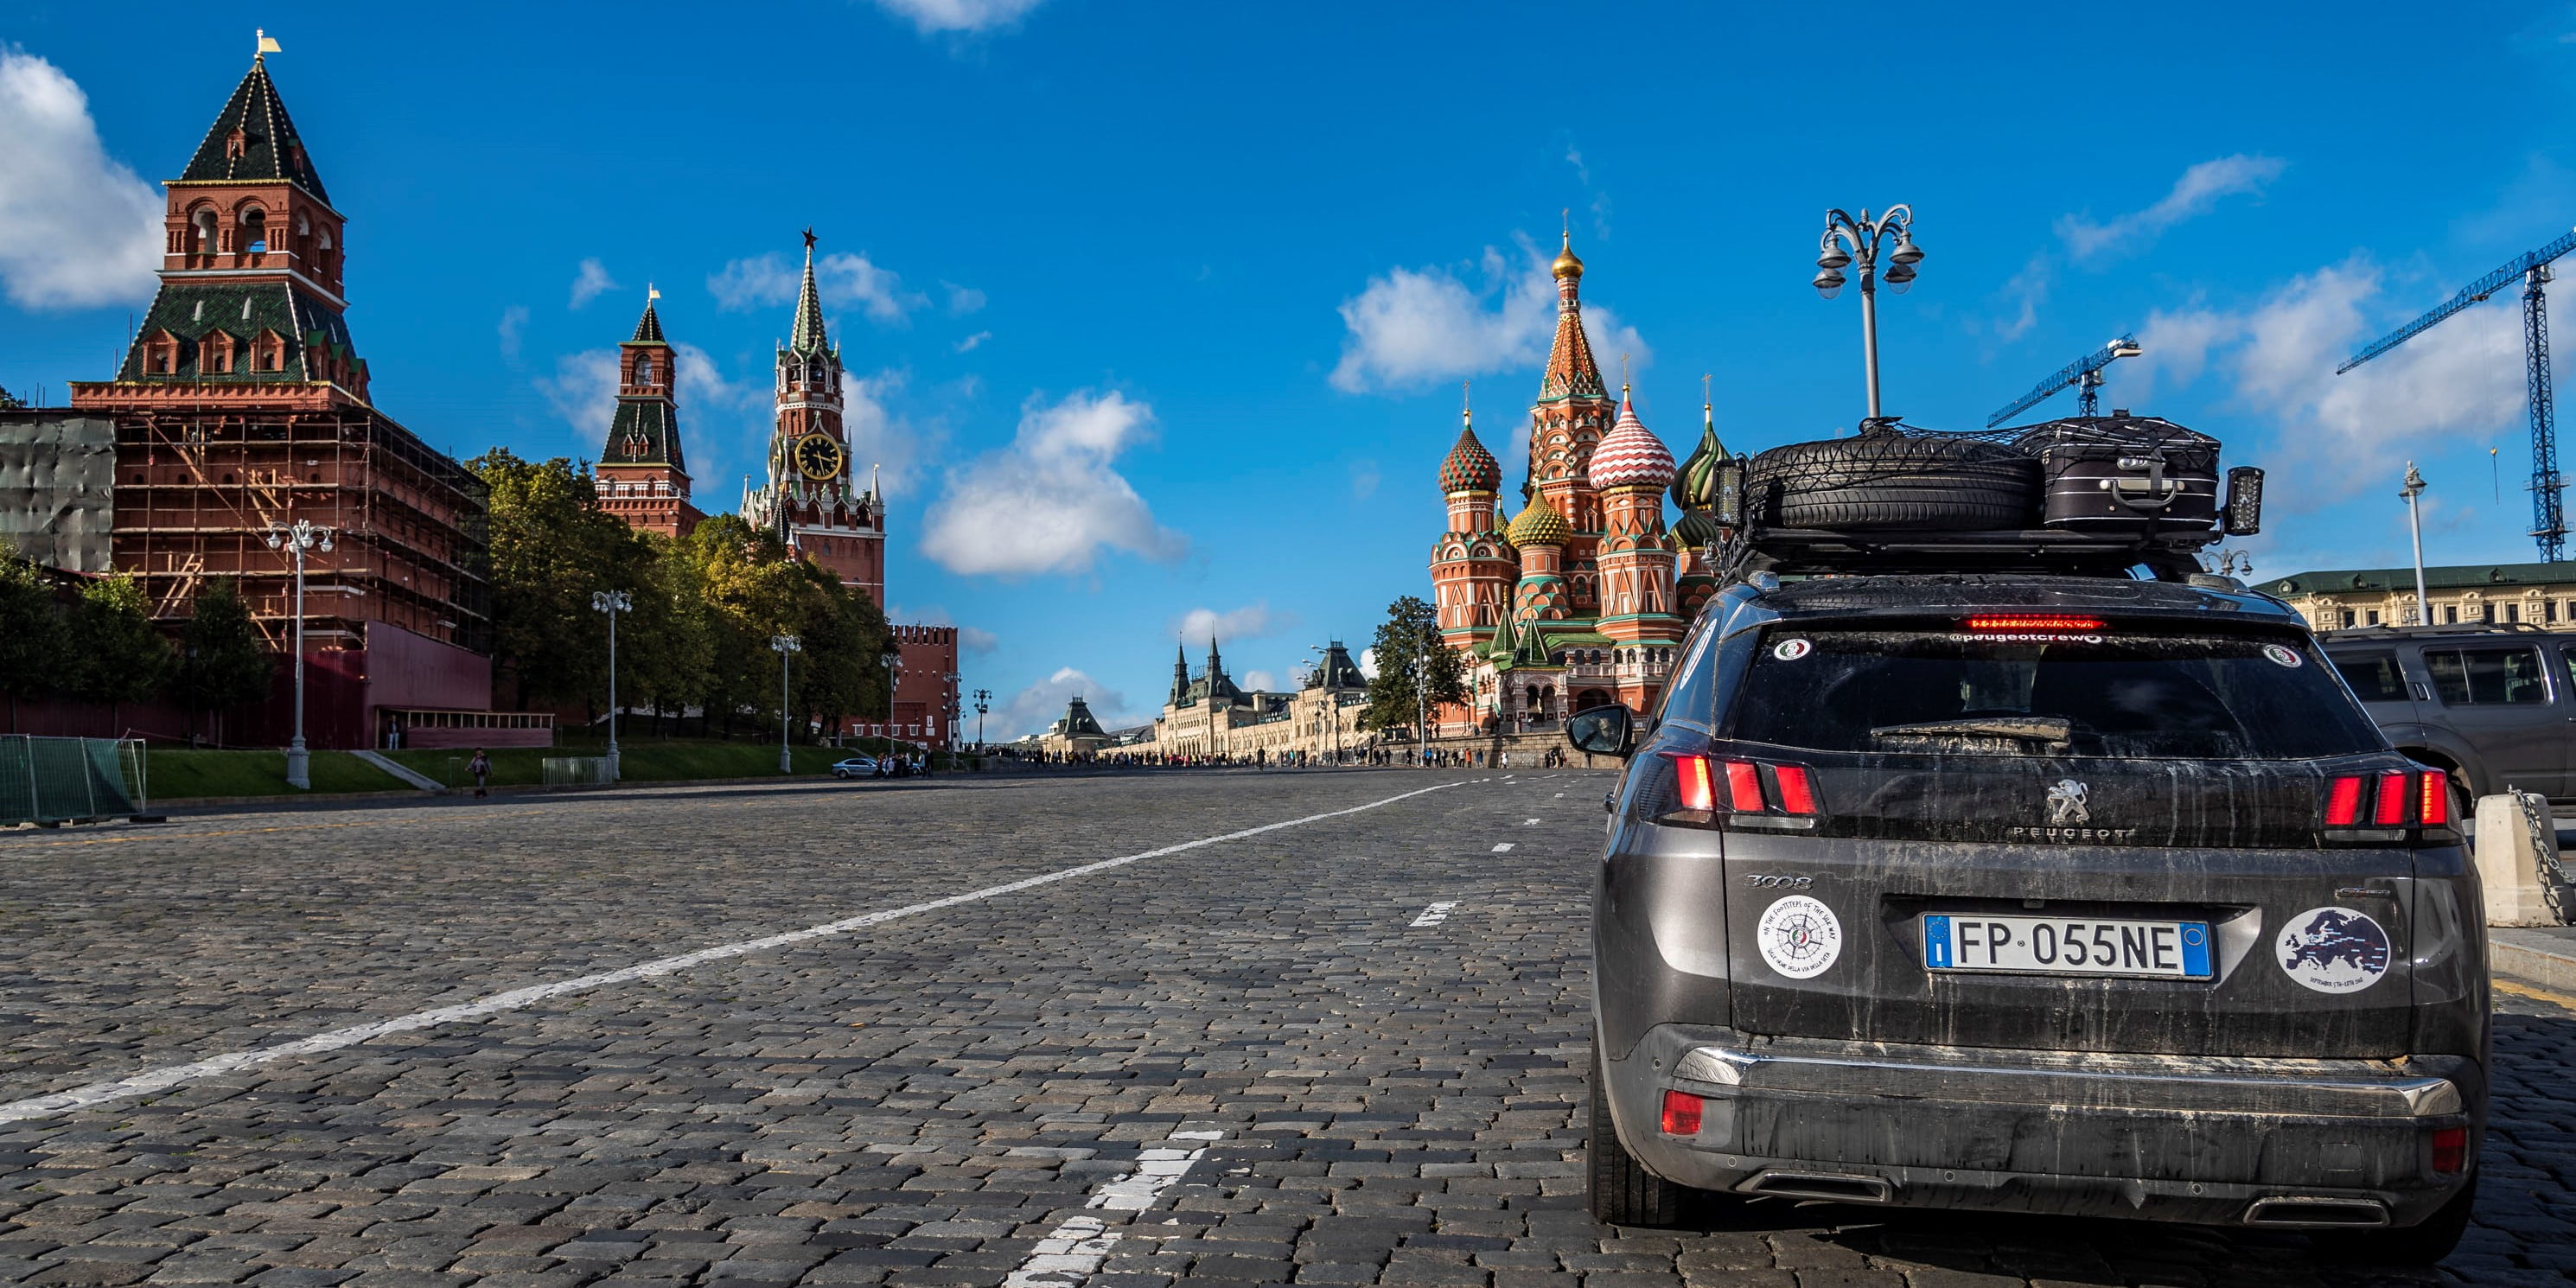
(664, 649)
(119, 655)
(845, 638)
(1408, 648)
(33, 655)
(10, 401)
(552, 547)
(223, 663)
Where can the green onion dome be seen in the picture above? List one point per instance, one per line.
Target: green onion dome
(1697, 528)
(1695, 484)
(1470, 468)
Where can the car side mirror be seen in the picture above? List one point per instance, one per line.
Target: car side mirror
(1602, 731)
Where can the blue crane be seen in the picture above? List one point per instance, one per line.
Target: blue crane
(2084, 373)
(2548, 512)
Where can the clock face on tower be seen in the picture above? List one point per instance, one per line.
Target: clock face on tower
(818, 456)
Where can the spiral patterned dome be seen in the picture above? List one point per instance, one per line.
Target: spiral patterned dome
(1470, 468)
(1539, 525)
(1631, 456)
(1695, 484)
(1697, 528)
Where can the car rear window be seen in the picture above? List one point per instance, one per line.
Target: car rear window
(2151, 695)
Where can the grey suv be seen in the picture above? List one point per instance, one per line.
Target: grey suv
(2495, 705)
(2036, 894)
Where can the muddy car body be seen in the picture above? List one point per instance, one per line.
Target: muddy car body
(2038, 894)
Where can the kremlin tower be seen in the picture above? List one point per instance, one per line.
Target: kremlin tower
(641, 477)
(811, 500)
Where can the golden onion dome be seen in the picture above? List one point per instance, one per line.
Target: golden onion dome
(1566, 264)
(1539, 525)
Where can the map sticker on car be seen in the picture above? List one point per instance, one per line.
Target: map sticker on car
(2333, 950)
(2065, 946)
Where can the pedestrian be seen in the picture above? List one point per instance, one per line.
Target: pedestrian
(481, 768)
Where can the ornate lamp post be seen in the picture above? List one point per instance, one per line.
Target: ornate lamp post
(983, 703)
(1332, 700)
(612, 602)
(1847, 239)
(892, 660)
(2415, 522)
(948, 713)
(786, 646)
(301, 537)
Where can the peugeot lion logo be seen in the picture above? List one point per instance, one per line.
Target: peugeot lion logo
(2066, 803)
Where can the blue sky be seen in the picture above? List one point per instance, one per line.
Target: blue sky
(1163, 309)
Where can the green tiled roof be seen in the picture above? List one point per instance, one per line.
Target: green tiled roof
(193, 311)
(645, 431)
(270, 150)
(648, 328)
(2450, 577)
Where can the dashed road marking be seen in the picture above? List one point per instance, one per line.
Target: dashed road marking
(153, 1081)
(1531, 823)
(1073, 1251)
(1503, 848)
(1435, 914)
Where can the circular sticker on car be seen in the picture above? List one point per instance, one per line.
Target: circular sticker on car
(2333, 950)
(2283, 655)
(1792, 650)
(1799, 937)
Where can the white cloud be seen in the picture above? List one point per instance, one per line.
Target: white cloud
(962, 300)
(841, 277)
(1414, 326)
(1252, 621)
(514, 326)
(1364, 479)
(1261, 681)
(2178, 344)
(1367, 662)
(973, 342)
(77, 227)
(1051, 501)
(971, 639)
(935, 16)
(2195, 193)
(583, 389)
(591, 282)
(1041, 704)
(2029, 287)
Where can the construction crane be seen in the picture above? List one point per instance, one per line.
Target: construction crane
(2548, 513)
(2084, 374)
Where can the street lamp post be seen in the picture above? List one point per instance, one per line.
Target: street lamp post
(1422, 708)
(612, 602)
(2415, 523)
(1332, 700)
(1847, 239)
(948, 713)
(983, 703)
(892, 660)
(297, 539)
(786, 646)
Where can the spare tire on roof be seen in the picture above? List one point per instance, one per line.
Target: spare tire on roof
(1892, 481)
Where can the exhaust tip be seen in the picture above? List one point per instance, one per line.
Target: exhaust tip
(2317, 1214)
(1827, 1187)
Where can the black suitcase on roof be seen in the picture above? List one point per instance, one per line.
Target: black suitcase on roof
(2125, 474)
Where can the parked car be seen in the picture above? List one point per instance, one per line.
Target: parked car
(2033, 893)
(855, 767)
(2493, 705)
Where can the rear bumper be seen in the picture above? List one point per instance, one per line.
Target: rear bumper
(2201, 1139)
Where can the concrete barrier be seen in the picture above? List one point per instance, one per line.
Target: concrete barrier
(2518, 862)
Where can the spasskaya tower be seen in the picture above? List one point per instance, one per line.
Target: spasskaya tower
(811, 500)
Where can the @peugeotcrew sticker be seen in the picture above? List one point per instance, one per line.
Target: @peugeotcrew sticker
(1792, 650)
(1799, 937)
(2282, 655)
(2333, 950)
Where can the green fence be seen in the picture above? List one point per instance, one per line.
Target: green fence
(59, 780)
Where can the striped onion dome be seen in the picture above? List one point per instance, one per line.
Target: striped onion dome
(1695, 485)
(1697, 528)
(1631, 456)
(1470, 468)
(1539, 525)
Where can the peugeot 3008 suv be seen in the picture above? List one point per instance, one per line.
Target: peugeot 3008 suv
(2033, 894)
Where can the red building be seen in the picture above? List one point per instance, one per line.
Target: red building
(642, 477)
(242, 407)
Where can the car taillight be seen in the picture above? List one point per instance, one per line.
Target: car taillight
(2433, 800)
(1996, 623)
(1754, 790)
(2450, 1144)
(2343, 802)
(2391, 808)
(1682, 1113)
(2397, 799)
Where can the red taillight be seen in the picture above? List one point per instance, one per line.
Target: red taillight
(1744, 787)
(1994, 623)
(2390, 810)
(2343, 803)
(2433, 800)
(1693, 783)
(1796, 795)
(1681, 1116)
(2450, 1144)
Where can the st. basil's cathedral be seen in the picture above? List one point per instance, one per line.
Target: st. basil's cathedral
(1582, 599)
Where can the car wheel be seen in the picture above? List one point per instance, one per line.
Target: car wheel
(1621, 1190)
(2414, 1245)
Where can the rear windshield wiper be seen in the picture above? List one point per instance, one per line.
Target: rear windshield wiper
(2053, 729)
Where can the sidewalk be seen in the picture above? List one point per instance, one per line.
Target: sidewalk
(2545, 955)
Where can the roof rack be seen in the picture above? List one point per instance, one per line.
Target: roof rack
(1794, 551)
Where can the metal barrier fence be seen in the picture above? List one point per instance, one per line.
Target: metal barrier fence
(64, 780)
(574, 771)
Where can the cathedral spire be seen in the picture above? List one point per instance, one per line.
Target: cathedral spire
(808, 337)
(1571, 372)
(254, 141)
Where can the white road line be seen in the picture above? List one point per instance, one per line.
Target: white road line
(1435, 914)
(1531, 823)
(1503, 848)
(152, 1081)
(1072, 1251)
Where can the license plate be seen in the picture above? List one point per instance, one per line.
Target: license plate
(2066, 946)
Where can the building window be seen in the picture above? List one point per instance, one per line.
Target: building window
(2549, 610)
(2450, 614)
(255, 230)
(2374, 617)
(2347, 617)
(2513, 612)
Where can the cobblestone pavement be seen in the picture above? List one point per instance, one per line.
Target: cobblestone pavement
(1343, 1052)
